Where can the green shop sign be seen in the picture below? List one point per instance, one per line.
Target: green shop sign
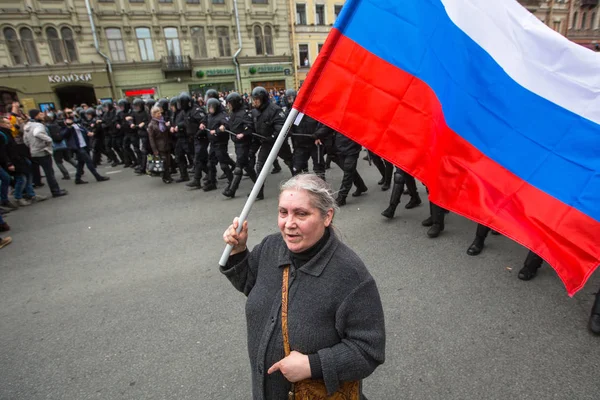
(265, 69)
(220, 71)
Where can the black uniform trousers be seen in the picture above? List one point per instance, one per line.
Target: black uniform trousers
(182, 150)
(200, 158)
(301, 156)
(351, 176)
(129, 141)
(285, 153)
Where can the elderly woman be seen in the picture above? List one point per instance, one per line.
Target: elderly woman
(334, 314)
(160, 141)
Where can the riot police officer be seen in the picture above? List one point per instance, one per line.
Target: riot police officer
(217, 124)
(111, 128)
(129, 133)
(269, 119)
(241, 124)
(402, 178)
(187, 124)
(305, 142)
(348, 152)
(141, 119)
(201, 147)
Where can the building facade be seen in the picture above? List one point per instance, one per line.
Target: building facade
(312, 20)
(153, 48)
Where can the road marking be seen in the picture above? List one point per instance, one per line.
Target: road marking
(114, 172)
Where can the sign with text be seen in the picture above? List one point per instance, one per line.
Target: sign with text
(220, 71)
(71, 78)
(265, 69)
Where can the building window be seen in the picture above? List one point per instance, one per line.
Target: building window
(144, 40)
(303, 55)
(583, 20)
(301, 14)
(172, 41)
(69, 43)
(593, 21)
(268, 40)
(320, 14)
(574, 22)
(28, 45)
(337, 9)
(165, 1)
(218, 1)
(14, 47)
(199, 42)
(193, 1)
(260, 1)
(319, 48)
(55, 46)
(115, 44)
(223, 41)
(136, 1)
(258, 41)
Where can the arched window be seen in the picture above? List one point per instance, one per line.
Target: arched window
(258, 41)
(583, 20)
(574, 22)
(69, 44)
(14, 47)
(199, 42)
(268, 40)
(593, 21)
(55, 46)
(28, 45)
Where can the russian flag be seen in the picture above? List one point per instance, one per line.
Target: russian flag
(495, 112)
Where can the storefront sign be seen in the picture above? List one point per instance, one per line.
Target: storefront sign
(220, 71)
(140, 92)
(69, 78)
(265, 69)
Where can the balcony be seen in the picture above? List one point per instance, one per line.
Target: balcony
(177, 64)
(589, 34)
(531, 5)
(589, 3)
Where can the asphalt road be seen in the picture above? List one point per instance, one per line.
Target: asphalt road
(113, 292)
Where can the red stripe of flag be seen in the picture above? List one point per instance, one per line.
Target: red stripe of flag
(399, 117)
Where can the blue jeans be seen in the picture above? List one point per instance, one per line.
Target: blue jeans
(23, 182)
(4, 184)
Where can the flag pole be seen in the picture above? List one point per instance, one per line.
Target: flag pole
(261, 179)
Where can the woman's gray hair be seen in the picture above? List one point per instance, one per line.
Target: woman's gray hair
(155, 109)
(320, 192)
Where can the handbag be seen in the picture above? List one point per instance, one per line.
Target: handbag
(310, 389)
(155, 164)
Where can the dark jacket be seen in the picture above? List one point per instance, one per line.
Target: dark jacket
(68, 133)
(109, 123)
(159, 141)
(214, 122)
(138, 118)
(334, 312)
(125, 119)
(268, 122)
(13, 154)
(240, 121)
(304, 134)
(345, 146)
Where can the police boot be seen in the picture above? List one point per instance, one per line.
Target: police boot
(230, 191)
(414, 201)
(340, 201)
(211, 183)
(183, 173)
(595, 317)
(387, 177)
(479, 242)
(532, 263)
(194, 184)
(276, 167)
(438, 222)
(261, 194)
(290, 166)
(429, 220)
(394, 200)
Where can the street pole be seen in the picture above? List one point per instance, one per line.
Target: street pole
(266, 169)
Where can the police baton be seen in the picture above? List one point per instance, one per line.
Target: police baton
(261, 179)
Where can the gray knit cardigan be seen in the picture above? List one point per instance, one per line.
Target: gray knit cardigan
(334, 312)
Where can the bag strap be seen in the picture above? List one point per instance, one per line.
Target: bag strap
(284, 309)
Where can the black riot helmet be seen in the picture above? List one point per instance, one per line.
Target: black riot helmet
(235, 100)
(215, 104)
(150, 103)
(90, 113)
(211, 94)
(60, 115)
(124, 105)
(260, 93)
(99, 110)
(290, 97)
(174, 102)
(138, 104)
(79, 111)
(163, 104)
(185, 101)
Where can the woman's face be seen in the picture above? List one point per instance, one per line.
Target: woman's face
(301, 224)
(157, 114)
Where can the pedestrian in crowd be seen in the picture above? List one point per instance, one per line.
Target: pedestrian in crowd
(6, 165)
(40, 146)
(77, 141)
(61, 151)
(160, 141)
(333, 313)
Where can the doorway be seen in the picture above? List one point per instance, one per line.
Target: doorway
(270, 85)
(68, 96)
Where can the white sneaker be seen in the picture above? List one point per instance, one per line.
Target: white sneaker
(38, 197)
(23, 202)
